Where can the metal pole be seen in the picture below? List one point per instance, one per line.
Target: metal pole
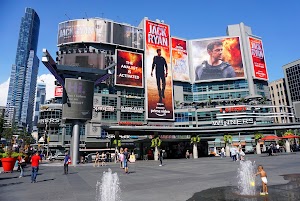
(75, 143)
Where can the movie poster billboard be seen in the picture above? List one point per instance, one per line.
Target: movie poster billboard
(216, 59)
(258, 59)
(180, 65)
(83, 30)
(129, 69)
(158, 72)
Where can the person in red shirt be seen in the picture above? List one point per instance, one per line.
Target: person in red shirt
(35, 166)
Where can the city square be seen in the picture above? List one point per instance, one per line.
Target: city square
(176, 180)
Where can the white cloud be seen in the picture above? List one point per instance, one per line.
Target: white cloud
(48, 79)
(4, 91)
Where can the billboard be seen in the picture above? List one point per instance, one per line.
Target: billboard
(78, 99)
(158, 75)
(129, 36)
(84, 30)
(216, 59)
(58, 91)
(129, 69)
(88, 60)
(258, 59)
(180, 65)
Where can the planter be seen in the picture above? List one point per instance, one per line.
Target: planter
(8, 164)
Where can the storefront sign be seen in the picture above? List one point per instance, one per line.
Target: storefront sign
(129, 123)
(233, 109)
(114, 136)
(104, 108)
(49, 120)
(232, 122)
(132, 109)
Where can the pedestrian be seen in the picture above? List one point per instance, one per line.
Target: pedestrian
(222, 152)
(160, 156)
(103, 159)
(121, 158)
(242, 155)
(22, 164)
(35, 166)
(97, 159)
(263, 176)
(125, 162)
(187, 154)
(67, 160)
(233, 153)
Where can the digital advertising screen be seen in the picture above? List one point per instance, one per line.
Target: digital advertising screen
(158, 72)
(78, 99)
(180, 62)
(216, 59)
(84, 30)
(258, 59)
(129, 69)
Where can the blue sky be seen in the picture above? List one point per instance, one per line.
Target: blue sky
(277, 22)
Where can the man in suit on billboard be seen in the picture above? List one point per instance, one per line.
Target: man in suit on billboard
(214, 68)
(161, 71)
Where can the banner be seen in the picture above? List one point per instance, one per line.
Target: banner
(128, 36)
(258, 59)
(129, 69)
(158, 72)
(216, 59)
(180, 65)
(78, 99)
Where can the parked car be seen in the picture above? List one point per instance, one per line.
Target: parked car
(57, 157)
(90, 158)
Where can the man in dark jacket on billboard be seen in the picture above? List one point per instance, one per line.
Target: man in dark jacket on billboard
(214, 68)
(161, 72)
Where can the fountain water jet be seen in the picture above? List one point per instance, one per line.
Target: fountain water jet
(246, 178)
(109, 187)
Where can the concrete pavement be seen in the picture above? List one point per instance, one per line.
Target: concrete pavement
(177, 180)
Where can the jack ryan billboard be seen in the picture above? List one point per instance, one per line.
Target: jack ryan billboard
(180, 63)
(129, 69)
(216, 59)
(258, 59)
(158, 72)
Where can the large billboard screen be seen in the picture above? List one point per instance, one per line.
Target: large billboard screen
(258, 59)
(180, 63)
(216, 59)
(158, 72)
(128, 36)
(78, 99)
(88, 60)
(84, 30)
(129, 70)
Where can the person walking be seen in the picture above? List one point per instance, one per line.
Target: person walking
(67, 160)
(97, 159)
(222, 152)
(121, 158)
(125, 162)
(160, 157)
(103, 159)
(22, 164)
(35, 166)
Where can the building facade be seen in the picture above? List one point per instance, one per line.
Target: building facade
(40, 99)
(291, 75)
(280, 101)
(22, 86)
(192, 99)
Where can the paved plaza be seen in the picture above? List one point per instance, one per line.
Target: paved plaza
(177, 180)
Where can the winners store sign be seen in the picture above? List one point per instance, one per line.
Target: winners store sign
(233, 122)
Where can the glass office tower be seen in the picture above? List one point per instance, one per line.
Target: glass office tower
(24, 71)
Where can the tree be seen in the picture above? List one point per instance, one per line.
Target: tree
(257, 137)
(227, 139)
(195, 139)
(156, 142)
(1, 125)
